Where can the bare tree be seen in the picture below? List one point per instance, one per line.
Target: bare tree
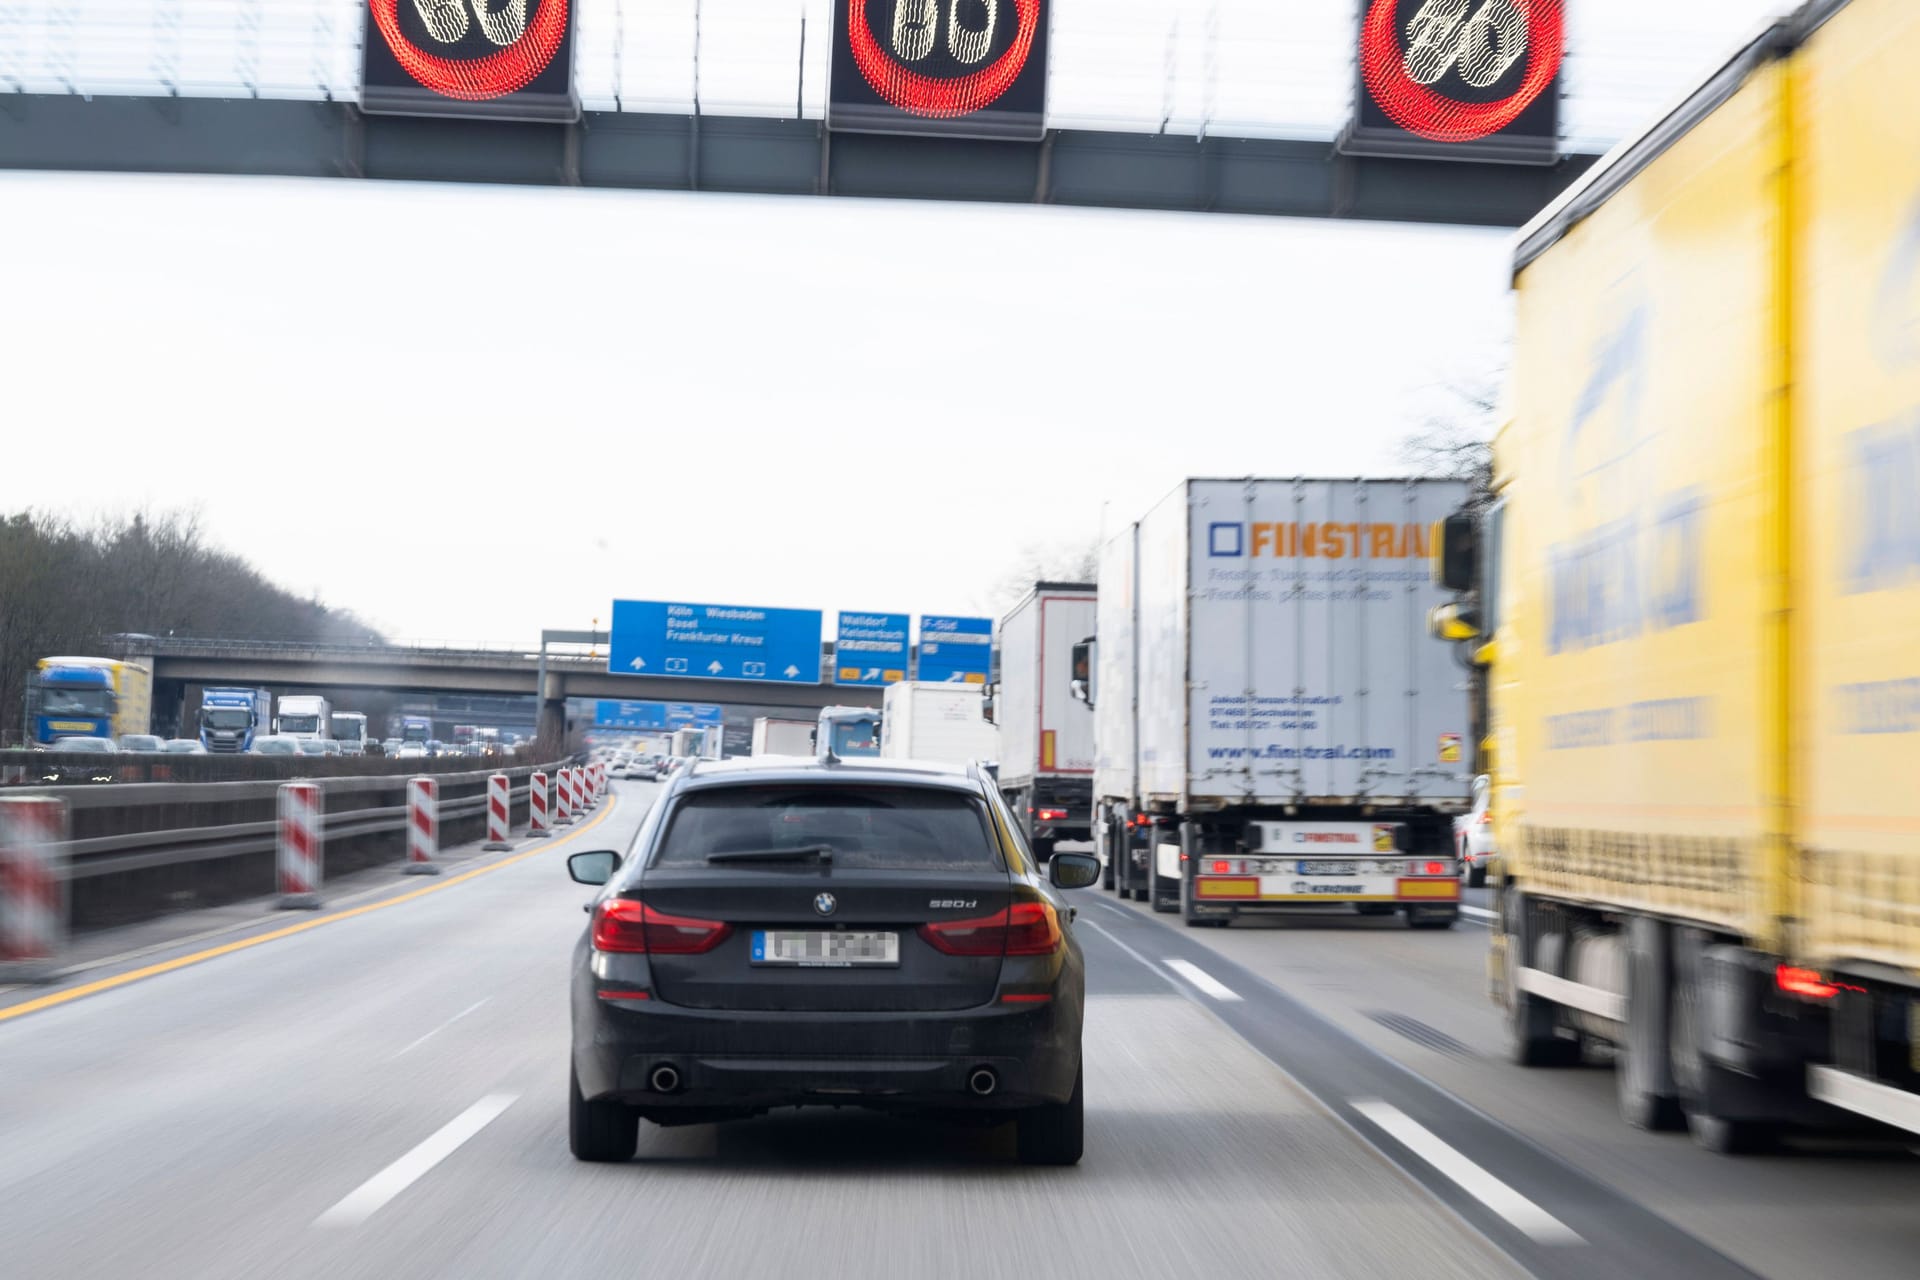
(1041, 562)
(1456, 440)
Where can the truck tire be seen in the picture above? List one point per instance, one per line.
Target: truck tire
(599, 1132)
(1695, 1075)
(1643, 1061)
(1165, 894)
(1477, 876)
(1533, 1024)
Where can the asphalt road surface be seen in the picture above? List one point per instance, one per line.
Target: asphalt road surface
(379, 1090)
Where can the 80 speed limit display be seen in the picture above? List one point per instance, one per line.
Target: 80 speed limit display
(964, 68)
(490, 59)
(1467, 79)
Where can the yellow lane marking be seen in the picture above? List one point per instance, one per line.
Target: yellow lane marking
(200, 957)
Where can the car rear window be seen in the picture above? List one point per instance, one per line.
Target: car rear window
(866, 827)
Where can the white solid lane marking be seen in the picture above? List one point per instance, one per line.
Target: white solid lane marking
(1152, 968)
(372, 1195)
(1522, 1213)
(416, 1043)
(1202, 979)
(1475, 913)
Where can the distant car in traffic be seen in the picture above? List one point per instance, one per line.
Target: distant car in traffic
(392, 745)
(1473, 834)
(276, 744)
(86, 771)
(794, 933)
(411, 751)
(312, 746)
(183, 747)
(140, 742)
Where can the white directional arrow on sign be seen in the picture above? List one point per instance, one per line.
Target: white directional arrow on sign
(715, 667)
(638, 664)
(873, 673)
(792, 671)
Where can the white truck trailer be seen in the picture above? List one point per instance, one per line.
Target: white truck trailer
(1046, 734)
(303, 716)
(1272, 734)
(936, 720)
(773, 736)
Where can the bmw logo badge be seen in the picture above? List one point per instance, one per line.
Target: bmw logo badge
(824, 903)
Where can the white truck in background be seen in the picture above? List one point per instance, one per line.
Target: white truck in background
(773, 736)
(303, 716)
(1271, 735)
(850, 732)
(349, 729)
(1046, 734)
(936, 720)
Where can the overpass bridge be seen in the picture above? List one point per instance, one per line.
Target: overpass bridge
(558, 668)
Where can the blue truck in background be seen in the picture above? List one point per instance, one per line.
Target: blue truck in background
(230, 719)
(87, 698)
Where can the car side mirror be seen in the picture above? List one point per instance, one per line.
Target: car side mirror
(1072, 870)
(1457, 559)
(596, 866)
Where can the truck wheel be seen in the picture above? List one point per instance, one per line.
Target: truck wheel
(1477, 876)
(1642, 1063)
(601, 1132)
(1106, 873)
(1166, 894)
(1693, 1077)
(1055, 1132)
(1533, 1024)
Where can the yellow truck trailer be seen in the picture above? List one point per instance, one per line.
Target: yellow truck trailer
(1699, 598)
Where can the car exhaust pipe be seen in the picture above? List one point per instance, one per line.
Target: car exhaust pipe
(665, 1079)
(981, 1081)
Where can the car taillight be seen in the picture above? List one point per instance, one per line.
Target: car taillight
(1808, 984)
(621, 924)
(1023, 929)
(1484, 820)
(1052, 815)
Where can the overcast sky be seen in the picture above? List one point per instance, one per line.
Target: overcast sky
(796, 402)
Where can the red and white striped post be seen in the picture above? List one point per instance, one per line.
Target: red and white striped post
(33, 886)
(563, 799)
(590, 776)
(536, 805)
(423, 826)
(301, 865)
(600, 781)
(499, 816)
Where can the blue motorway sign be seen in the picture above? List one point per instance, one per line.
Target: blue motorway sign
(714, 642)
(956, 649)
(871, 648)
(611, 714)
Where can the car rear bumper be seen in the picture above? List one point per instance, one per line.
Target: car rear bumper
(754, 1060)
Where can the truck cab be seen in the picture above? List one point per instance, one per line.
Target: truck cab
(303, 716)
(69, 701)
(230, 719)
(848, 732)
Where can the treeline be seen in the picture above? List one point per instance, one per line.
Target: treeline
(64, 588)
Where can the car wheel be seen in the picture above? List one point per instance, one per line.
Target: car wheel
(1477, 876)
(602, 1132)
(1056, 1132)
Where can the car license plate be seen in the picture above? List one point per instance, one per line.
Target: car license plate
(1326, 869)
(820, 949)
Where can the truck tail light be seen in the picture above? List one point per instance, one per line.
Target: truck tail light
(1808, 984)
(1052, 815)
(1226, 867)
(1428, 867)
(625, 925)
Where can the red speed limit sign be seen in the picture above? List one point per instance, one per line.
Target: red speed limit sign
(503, 59)
(1461, 73)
